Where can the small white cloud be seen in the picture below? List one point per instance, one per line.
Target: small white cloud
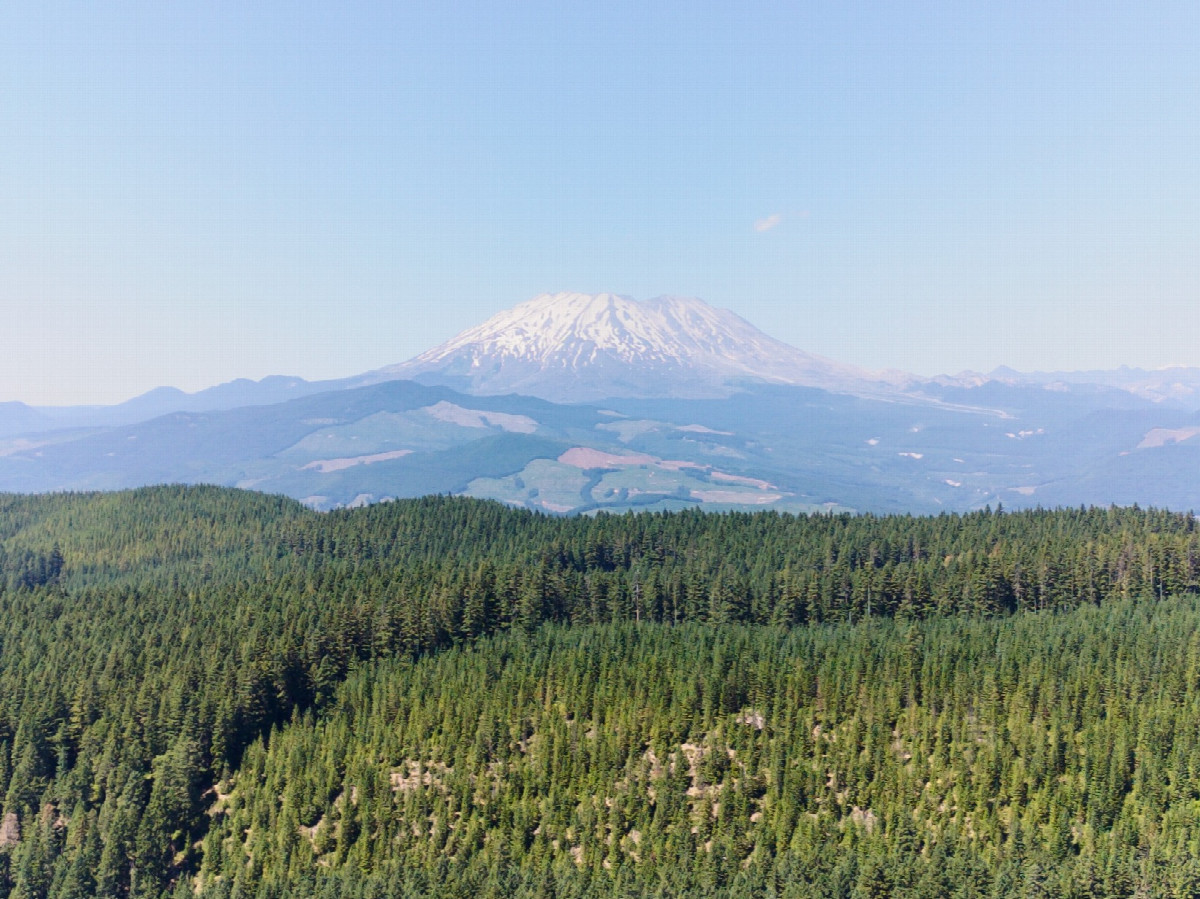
(769, 222)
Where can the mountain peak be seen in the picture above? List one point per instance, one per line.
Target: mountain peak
(584, 347)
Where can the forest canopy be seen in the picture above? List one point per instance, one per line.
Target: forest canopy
(213, 692)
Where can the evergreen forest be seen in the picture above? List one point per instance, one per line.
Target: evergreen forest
(215, 693)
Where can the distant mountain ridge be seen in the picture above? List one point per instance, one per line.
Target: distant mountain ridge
(574, 347)
(573, 403)
(1172, 384)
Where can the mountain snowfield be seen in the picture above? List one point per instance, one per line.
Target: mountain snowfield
(575, 347)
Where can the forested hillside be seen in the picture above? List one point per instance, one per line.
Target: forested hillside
(216, 692)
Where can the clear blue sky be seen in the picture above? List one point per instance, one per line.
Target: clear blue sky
(192, 192)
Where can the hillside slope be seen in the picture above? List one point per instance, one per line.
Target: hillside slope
(216, 691)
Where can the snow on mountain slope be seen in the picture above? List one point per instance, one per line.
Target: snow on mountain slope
(579, 347)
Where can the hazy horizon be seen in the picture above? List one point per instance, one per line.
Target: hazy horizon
(199, 193)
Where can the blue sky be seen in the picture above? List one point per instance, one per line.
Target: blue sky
(192, 192)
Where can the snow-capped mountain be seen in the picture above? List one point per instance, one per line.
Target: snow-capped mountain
(661, 437)
(578, 347)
